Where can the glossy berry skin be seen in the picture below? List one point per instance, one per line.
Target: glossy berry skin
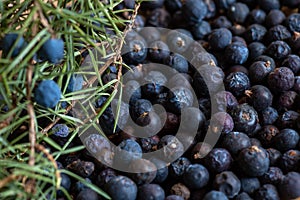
(237, 83)
(52, 50)
(290, 161)
(177, 62)
(196, 176)
(289, 188)
(127, 189)
(267, 191)
(9, 42)
(278, 50)
(144, 171)
(154, 82)
(249, 184)
(178, 167)
(87, 194)
(281, 79)
(219, 38)
(236, 53)
(150, 192)
(194, 11)
(179, 40)
(254, 161)
(127, 151)
(245, 118)
(286, 139)
(141, 107)
(273, 176)
(228, 183)
(234, 142)
(158, 51)
(60, 130)
(260, 97)
(238, 12)
(179, 98)
(268, 116)
(215, 195)
(134, 52)
(218, 160)
(47, 94)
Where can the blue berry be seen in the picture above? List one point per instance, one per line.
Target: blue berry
(215, 195)
(245, 118)
(60, 130)
(52, 50)
(228, 183)
(286, 139)
(47, 94)
(254, 161)
(127, 151)
(249, 184)
(194, 10)
(289, 187)
(218, 160)
(75, 83)
(234, 142)
(9, 42)
(236, 53)
(125, 187)
(238, 12)
(219, 38)
(274, 17)
(87, 194)
(237, 83)
(196, 176)
(150, 192)
(267, 191)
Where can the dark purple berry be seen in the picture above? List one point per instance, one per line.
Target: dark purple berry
(196, 176)
(228, 183)
(254, 161)
(218, 160)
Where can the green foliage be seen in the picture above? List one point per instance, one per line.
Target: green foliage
(25, 126)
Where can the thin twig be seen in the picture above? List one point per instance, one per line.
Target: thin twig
(43, 19)
(114, 59)
(32, 133)
(50, 157)
(8, 179)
